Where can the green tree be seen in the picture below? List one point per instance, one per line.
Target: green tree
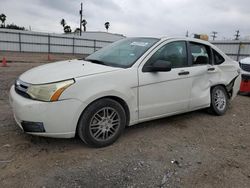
(14, 26)
(3, 19)
(67, 29)
(77, 30)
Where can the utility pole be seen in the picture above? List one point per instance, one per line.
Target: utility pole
(187, 33)
(81, 21)
(237, 35)
(214, 33)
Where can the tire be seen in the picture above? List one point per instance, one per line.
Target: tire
(102, 123)
(219, 100)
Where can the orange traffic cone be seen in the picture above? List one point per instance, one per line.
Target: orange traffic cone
(4, 62)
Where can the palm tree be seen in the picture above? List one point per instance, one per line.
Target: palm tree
(107, 24)
(84, 23)
(63, 22)
(2, 19)
(67, 29)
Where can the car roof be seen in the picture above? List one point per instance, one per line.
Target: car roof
(178, 38)
(162, 39)
(186, 39)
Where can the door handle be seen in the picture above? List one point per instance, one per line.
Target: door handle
(183, 73)
(211, 69)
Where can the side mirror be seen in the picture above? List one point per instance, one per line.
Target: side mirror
(158, 66)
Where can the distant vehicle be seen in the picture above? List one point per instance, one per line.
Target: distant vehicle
(245, 82)
(130, 81)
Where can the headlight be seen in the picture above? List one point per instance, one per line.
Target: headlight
(49, 92)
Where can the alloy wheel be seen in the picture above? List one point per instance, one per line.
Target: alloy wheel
(220, 100)
(104, 124)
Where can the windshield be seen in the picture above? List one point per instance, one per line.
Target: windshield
(122, 53)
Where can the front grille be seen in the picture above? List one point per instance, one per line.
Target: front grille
(245, 67)
(21, 88)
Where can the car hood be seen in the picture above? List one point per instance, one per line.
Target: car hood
(245, 61)
(63, 70)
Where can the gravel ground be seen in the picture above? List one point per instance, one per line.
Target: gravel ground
(190, 150)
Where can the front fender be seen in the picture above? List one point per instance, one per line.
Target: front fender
(121, 84)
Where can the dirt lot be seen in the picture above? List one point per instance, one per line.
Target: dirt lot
(190, 150)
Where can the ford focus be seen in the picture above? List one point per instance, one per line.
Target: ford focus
(128, 82)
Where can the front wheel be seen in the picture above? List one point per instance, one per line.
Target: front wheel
(102, 123)
(219, 100)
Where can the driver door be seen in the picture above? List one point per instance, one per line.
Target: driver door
(165, 93)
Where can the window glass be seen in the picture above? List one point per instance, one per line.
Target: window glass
(123, 53)
(200, 54)
(218, 59)
(174, 52)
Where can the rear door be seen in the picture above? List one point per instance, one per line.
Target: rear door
(201, 71)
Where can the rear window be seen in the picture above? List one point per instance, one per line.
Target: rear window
(200, 54)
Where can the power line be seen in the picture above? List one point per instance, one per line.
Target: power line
(81, 21)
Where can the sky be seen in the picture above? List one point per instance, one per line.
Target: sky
(154, 18)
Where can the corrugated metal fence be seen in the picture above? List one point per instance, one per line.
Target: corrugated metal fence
(234, 49)
(25, 41)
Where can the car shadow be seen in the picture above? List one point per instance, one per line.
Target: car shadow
(244, 94)
(170, 121)
(175, 121)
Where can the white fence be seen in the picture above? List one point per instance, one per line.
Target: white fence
(235, 49)
(26, 41)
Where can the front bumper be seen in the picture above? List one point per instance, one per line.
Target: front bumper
(58, 119)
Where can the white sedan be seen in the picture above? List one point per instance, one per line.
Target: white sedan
(128, 82)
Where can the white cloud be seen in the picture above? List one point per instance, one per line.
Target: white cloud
(134, 17)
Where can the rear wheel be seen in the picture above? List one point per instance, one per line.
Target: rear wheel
(102, 123)
(219, 100)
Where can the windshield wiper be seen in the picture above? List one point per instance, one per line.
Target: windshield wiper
(96, 61)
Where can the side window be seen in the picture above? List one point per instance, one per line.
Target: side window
(218, 59)
(174, 52)
(200, 54)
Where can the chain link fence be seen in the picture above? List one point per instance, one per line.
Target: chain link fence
(234, 49)
(26, 41)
